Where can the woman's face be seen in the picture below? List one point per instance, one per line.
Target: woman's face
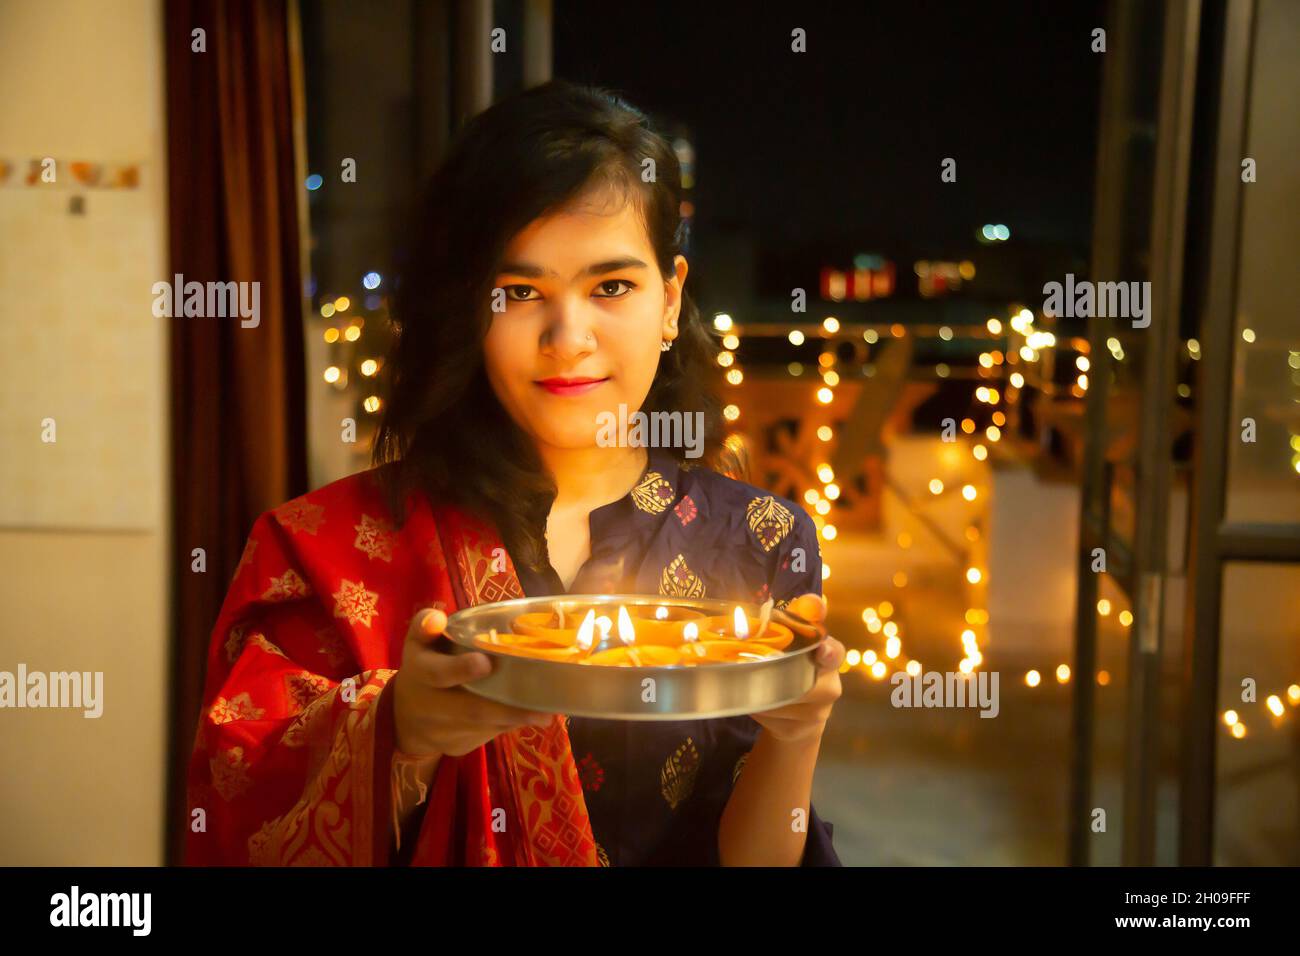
(585, 312)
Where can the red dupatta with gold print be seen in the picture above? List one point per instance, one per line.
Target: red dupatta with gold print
(292, 761)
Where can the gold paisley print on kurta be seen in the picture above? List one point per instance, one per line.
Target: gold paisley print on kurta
(678, 580)
(740, 765)
(653, 494)
(677, 778)
(769, 521)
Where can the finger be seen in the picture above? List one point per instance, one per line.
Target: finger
(461, 709)
(780, 719)
(427, 625)
(830, 654)
(451, 670)
(811, 607)
(800, 713)
(494, 714)
(815, 606)
(809, 704)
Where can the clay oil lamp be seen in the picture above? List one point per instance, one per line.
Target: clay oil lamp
(558, 627)
(526, 645)
(628, 654)
(760, 631)
(662, 624)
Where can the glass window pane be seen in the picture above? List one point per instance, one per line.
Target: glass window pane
(1257, 796)
(1263, 477)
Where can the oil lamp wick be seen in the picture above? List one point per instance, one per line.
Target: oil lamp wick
(741, 626)
(586, 635)
(627, 634)
(691, 637)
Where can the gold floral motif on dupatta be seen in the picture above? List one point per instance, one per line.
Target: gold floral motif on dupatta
(304, 687)
(354, 603)
(300, 515)
(229, 773)
(602, 855)
(678, 580)
(304, 726)
(261, 643)
(287, 587)
(653, 494)
(769, 521)
(375, 538)
(331, 646)
(545, 784)
(333, 823)
(479, 571)
(235, 642)
(537, 762)
(677, 777)
(239, 707)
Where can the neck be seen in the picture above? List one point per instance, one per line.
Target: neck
(596, 475)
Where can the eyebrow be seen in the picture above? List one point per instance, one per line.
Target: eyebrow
(532, 271)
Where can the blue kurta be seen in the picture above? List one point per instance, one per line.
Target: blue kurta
(655, 791)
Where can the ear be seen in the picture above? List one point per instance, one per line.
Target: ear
(673, 297)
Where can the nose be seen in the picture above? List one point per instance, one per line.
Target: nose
(569, 334)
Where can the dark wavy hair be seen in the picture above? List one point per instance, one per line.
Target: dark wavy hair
(443, 432)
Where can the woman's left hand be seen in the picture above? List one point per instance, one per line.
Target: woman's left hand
(805, 718)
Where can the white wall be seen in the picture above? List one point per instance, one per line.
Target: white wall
(83, 535)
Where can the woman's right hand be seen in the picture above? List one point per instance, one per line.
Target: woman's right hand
(433, 715)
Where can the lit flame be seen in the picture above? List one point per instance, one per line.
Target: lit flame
(691, 636)
(661, 613)
(741, 627)
(605, 624)
(626, 633)
(587, 631)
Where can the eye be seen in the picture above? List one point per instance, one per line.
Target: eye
(616, 282)
(518, 298)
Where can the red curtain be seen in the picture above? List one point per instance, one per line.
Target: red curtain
(238, 436)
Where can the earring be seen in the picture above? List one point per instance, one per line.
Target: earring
(665, 345)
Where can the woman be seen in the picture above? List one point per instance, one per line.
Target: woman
(545, 287)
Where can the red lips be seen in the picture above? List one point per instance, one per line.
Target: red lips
(571, 386)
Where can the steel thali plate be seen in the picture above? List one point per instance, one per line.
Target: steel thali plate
(673, 692)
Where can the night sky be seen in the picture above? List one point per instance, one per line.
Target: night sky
(841, 146)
